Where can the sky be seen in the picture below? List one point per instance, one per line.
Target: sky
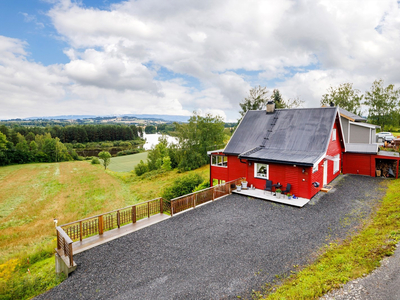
(106, 57)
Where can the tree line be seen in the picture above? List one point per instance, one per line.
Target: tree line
(381, 103)
(76, 133)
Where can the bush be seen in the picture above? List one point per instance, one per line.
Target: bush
(205, 184)
(127, 152)
(182, 186)
(95, 161)
(141, 168)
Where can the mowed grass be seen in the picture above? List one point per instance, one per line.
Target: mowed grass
(32, 195)
(126, 163)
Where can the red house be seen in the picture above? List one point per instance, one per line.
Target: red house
(302, 147)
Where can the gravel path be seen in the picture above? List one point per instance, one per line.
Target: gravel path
(382, 284)
(220, 250)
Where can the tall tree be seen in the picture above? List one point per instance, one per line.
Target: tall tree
(280, 102)
(256, 100)
(3, 141)
(383, 104)
(196, 137)
(345, 97)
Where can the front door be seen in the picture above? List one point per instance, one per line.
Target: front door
(325, 180)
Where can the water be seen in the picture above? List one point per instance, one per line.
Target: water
(152, 140)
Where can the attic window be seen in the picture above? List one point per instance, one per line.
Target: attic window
(334, 134)
(261, 170)
(219, 161)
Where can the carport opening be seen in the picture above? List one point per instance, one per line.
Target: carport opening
(386, 168)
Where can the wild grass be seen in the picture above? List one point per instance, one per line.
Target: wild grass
(126, 163)
(354, 257)
(32, 195)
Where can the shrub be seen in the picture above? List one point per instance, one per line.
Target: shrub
(127, 152)
(182, 186)
(95, 161)
(141, 168)
(205, 184)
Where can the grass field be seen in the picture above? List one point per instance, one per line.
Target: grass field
(126, 163)
(33, 194)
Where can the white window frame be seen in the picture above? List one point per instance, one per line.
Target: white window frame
(219, 161)
(336, 164)
(334, 134)
(257, 166)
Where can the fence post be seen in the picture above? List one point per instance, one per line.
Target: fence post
(172, 207)
(71, 260)
(161, 205)
(194, 200)
(101, 224)
(118, 219)
(148, 209)
(213, 197)
(58, 240)
(80, 230)
(134, 214)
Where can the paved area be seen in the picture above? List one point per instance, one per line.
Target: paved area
(264, 195)
(221, 250)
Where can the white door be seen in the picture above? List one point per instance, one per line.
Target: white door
(325, 173)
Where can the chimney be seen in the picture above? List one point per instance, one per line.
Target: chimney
(270, 107)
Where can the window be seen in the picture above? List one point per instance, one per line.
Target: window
(336, 164)
(315, 168)
(219, 160)
(261, 170)
(334, 134)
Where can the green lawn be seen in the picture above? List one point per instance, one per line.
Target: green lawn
(126, 163)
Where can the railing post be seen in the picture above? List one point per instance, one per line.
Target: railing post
(134, 214)
(118, 219)
(194, 200)
(80, 230)
(58, 240)
(172, 208)
(148, 209)
(161, 205)
(213, 197)
(71, 259)
(101, 224)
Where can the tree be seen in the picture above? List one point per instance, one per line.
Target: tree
(282, 103)
(383, 104)
(106, 157)
(3, 141)
(150, 129)
(345, 97)
(197, 137)
(256, 100)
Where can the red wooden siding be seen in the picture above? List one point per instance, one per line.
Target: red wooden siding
(355, 163)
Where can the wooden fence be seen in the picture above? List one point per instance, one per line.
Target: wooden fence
(97, 225)
(192, 200)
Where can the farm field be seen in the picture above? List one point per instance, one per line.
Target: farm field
(126, 163)
(33, 194)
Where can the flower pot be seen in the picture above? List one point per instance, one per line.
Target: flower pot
(238, 188)
(244, 185)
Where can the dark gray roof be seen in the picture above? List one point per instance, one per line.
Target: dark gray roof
(352, 116)
(295, 136)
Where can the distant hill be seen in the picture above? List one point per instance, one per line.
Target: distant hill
(171, 118)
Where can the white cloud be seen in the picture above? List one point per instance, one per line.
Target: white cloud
(116, 54)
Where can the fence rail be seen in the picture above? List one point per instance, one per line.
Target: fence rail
(97, 225)
(192, 200)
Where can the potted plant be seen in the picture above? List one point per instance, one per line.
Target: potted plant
(238, 187)
(289, 195)
(278, 193)
(244, 183)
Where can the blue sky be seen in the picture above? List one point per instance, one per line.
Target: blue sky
(62, 57)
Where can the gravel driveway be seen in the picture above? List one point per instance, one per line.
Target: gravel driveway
(220, 250)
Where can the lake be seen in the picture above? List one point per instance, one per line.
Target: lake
(152, 140)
